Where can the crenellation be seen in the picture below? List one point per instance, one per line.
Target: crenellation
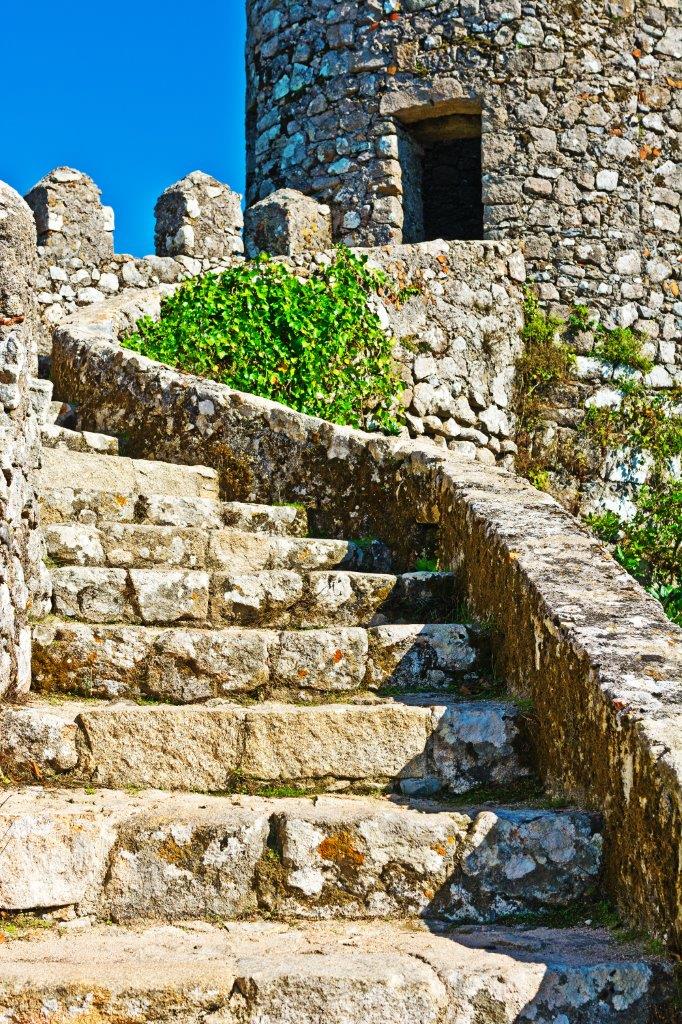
(198, 228)
(70, 218)
(199, 217)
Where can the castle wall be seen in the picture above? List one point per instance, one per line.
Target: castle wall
(580, 110)
(457, 368)
(457, 340)
(20, 545)
(458, 333)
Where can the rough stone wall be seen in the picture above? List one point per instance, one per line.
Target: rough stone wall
(458, 339)
(580, 105)
(613, 481)
(458, 368)
(572, 630)
(20, 550)
(287, 222)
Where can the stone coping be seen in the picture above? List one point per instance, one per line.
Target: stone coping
(573, 632)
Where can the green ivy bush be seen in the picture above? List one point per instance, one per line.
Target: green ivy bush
(649, 545)
(545, 363)
(615, 346)
(315, 345)
(642, 423)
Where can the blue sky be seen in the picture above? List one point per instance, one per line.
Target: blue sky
(136, 94)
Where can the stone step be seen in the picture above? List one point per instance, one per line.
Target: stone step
(128, 545)
(92, 506)
(185, 665)
(222, 747)
(108, 855)
(275, 598)
(329, 973)
(53, 436)
(123, 476)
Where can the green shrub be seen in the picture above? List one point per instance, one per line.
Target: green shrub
(314, 344)
(644, 422)
(649, 546)
(621, 347)
(544, 363)
(616, 346)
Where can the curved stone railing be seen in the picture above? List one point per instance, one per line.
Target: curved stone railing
(572, 630)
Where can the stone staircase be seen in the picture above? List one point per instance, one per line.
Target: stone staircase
(264, 777)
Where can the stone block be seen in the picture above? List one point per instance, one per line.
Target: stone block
(287, 222)
(123, 476)
(40, 394)
(336, 741)
(374, 972)
(185, 857)
(419, 655)
(70, 218)
(320, 659)
(478, 742)
(199, 217)
(357, 858)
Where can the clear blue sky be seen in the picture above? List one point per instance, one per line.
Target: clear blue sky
(135, 93)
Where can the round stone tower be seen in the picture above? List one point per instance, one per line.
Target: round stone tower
(551, 121)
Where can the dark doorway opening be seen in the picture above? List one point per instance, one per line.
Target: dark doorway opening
(453, 203)
(442, 178)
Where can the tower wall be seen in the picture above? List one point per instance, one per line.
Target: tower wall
(580, 112)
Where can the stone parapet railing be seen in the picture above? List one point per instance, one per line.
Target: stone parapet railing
(573, 632)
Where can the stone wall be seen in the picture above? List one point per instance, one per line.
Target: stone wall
(605, 482)
(458, 339)
(571, 630)
(20, 548)
(580, 113)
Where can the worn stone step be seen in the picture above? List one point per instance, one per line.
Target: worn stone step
(185, 665)
(108, 854)
(330, 973)
(53, 436)
(130, 545)
(123, 476)
(92, 506)
(223, 747)
(276, 598)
